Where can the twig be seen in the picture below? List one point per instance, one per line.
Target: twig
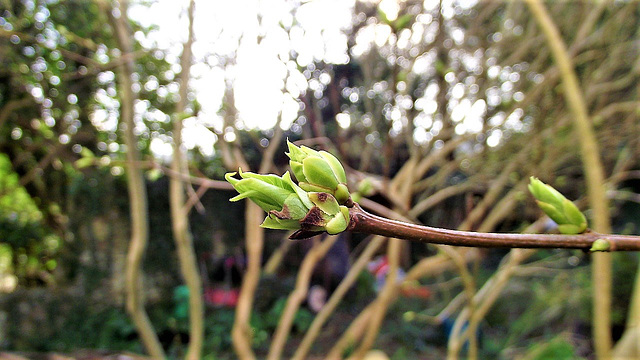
(364, 222)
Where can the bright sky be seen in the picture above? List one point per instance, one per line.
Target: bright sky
(266, 80)
(248, 43)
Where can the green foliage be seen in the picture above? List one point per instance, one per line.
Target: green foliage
(365, 286)
(218, 332)
(557, 348)
(27, 250)
(181, 300)
(301, 321)
(15, 202)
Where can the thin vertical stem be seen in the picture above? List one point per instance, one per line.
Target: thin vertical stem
(179, 213)
(136, 187)
(601, 271)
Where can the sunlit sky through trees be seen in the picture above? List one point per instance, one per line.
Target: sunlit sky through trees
(265, 51)
(246, 45)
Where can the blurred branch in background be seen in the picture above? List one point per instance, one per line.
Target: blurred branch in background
(180, 210)
(137, 191)
(594, 175)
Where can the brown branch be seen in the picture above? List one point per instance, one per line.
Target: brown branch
(364, 222)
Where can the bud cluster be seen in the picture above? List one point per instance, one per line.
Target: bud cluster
(314, 205)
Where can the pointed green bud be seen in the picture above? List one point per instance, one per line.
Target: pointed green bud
(284, 201)
(566, 214)
(545, 193)
(318, 172)
(336, 166)
(552, 212)
(267, 196)
(310, 207)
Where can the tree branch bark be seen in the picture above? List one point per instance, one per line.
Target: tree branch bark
(364, 222)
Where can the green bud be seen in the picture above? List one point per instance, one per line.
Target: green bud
(336, 225)
(565, 213)
(267, 191)
(318, 171)
(409, 316)
(336, 166)
(600, 245)
(545, 193)
(574, 215)
(296, 167)
(365, 187)
(339, 222)
(552, 212)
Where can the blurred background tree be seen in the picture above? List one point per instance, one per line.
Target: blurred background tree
(447, 107)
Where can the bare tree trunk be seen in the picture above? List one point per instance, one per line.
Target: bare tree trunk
(179, 212)
(137, 190)
(594, 178)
